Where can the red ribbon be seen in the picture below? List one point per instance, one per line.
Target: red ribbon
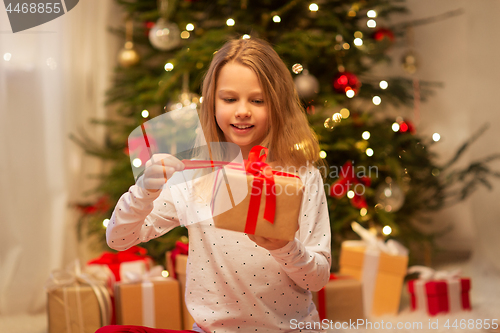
(180, 248)
(343, 184)
(322, 296)
(114, 260)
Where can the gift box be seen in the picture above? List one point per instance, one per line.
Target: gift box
(341, 300)
(438, 292)
(176, 262)
(134, 259)
(152, 302)
(381, 267)
(266, 205)
(76, 303)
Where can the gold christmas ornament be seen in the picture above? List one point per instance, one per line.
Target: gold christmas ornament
(128, 56)
(409, 62)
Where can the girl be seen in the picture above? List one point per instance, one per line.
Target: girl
(237, 281)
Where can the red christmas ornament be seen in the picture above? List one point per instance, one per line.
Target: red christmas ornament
(383, 33)
(148, 25)
(100, 206)
(406, 126)
(344, 81)
(348, 180)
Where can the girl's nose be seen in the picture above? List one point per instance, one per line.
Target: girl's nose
(243, 111)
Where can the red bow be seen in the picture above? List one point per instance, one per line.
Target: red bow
(346, 180)
(113, 260)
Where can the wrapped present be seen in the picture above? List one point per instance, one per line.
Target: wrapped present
(133, 260)
(380, 266)
(149, 300)
(76, 303)
(176, 264)
(271, 200)
(438, 291)
(341, 300)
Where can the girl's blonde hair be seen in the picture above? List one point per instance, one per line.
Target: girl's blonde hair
(290, 140)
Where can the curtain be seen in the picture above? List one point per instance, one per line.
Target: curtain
(52, 81)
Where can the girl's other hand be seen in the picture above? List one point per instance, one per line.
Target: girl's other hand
(159, 169)
(268, 243)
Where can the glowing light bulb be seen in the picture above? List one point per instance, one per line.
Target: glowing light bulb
(369, 152)
(383, 84)
(346, 46)
(245, 36)
(190, 27)
(7, 56)
(165, 273)
(169, 66)
(358, 41)
(365, 135)
(230, 22)
(386, 230)
(337, 117)
(436, 137)
(276, 19)
(376, 100)
(363, 211)
(201, 99)
(395, 127)
(185, 34)
(137, 162)
(322, 154)
(371, 23)
(345, 113)
(145, 113)
(350, 93)
(371, 13)
(350, 194)
(313, 7)
(105, 223)
(358, 34)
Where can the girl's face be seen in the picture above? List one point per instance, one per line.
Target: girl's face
(240, 108)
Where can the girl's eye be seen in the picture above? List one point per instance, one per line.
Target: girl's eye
(258, 101)
(229, 100)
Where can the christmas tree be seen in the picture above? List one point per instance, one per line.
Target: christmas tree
(380, 171)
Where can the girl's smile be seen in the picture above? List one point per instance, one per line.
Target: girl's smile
(240, 108)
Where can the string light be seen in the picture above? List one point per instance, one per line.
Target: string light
(230, 22)
(358, 34)
(371, 23)
(145, 113)
(350, 93)
(297, 68)
(371, 13)
(105, 223)
(137, 162)
(169, 66)
(386, 230)
(190, 27)
(350, 194)
(7, 56)
(383, 84)
(276, 19)
(369, 152)
(436, 137)
(245, 36)
(346, 46)
(363, 211)
(185, 34)
(365, 135)
(201, 99)
(358, 41)
(376, 100)
(322, 154)
(337, 117)
(345, 113)
(313, 7)
(395, 127)
(165, 273)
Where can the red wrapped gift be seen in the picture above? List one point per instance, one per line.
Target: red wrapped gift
(438, 292)
(133, 260)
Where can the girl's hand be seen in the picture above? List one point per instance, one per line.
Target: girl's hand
(268, 243)
(159, 169)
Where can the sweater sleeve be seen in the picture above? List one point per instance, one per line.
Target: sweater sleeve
(139, 216)
(307, 259)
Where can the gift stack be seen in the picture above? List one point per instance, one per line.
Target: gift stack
(379, 266)
(437, 292)
(119, 285)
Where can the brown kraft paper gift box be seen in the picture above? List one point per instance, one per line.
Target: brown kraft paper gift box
(180, 270)
(288, 190)
(386, 279)
(163, 310)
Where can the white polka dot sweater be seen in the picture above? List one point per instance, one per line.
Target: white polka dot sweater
(233, 284)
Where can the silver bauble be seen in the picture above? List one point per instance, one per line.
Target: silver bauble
(165, 35)
(307, 85)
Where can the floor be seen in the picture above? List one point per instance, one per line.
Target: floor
(485, 299)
